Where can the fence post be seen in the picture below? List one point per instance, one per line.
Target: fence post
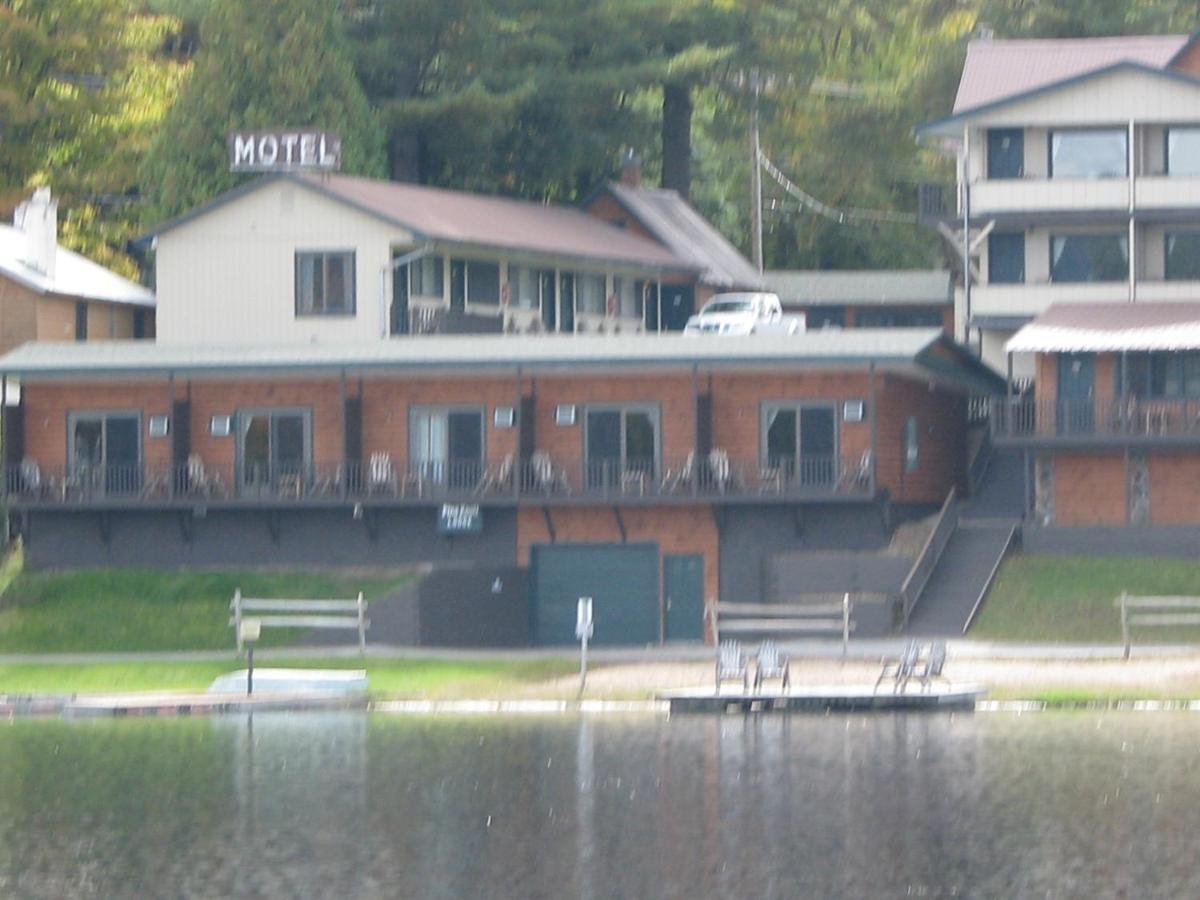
(237, 617)
(1125, 623)
(362, 624)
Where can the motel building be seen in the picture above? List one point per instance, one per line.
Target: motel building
(655, 475)
(305, 257)
(1110, 433)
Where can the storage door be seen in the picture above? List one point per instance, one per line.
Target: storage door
(621, 579)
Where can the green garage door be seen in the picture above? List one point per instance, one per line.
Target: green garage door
(621, 579)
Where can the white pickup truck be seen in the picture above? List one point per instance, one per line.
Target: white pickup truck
(743, 313)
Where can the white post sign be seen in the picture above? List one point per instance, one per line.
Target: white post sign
(583, 631)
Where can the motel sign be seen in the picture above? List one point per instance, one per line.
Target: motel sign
(284, 150)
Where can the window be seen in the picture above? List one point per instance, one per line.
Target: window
(472, 281)
(898, 318)
(1089, 257)
(911, 445)
(325, 284)
(483, 283)
(426, 277)
(105, 451)
(1091, 153)
(81, 317)
(1006, 258)
(817, 317)
(139, 324)
(1183, 151)
(590, 294)
(445, 445)
(1005, 153)
(524, 286)
(620, 443)
(1161, 374)
(630, 297)
(273, 450)
(800, 441)
(1183, 256)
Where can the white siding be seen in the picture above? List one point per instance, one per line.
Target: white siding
(1112, 99)
(228, 275)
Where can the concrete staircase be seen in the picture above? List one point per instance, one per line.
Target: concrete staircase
(986, 525)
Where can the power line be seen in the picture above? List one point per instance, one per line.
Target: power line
(849, 216)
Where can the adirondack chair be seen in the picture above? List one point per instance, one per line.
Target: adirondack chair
(771, 664)
(900, 669)
(732, 665)
(934, 663)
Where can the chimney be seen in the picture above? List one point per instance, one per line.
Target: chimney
(631, 169)
(38, 218)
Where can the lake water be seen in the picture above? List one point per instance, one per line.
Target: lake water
(350, 805)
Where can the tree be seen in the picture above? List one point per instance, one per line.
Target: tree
(56, 57)
(259, 65)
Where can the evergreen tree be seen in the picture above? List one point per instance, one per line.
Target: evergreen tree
(260, 65)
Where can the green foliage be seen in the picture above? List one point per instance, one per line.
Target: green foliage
(260, 65)
(142, 609)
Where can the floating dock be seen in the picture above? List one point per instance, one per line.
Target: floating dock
(838, 698)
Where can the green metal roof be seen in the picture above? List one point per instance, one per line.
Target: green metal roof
(464, 353)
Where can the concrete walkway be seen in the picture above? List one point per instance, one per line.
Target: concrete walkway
(828, 650)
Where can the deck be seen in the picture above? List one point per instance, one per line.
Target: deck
(819, 699)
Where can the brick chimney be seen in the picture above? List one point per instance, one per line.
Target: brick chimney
(38, 218)
(631, 169)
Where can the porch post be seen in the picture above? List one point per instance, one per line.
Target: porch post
(518, 469)
(344, 466)
(874, 419)
(658, 286)
(695, 485)
(172, 475)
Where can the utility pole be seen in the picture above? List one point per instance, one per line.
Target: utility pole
(756, 236)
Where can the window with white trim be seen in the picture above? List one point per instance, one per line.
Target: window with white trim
(325, 283)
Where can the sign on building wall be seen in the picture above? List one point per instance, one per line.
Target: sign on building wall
(460, 518)
(284, 150)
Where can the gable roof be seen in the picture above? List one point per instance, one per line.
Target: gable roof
(895, 287)
(476, 220)
(689, 235)
(74, 275)
(1109, 327)
(941, 126)
(923, 351)
(996, 70)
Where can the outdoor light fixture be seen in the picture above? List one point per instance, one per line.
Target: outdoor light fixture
(853, 411)
(564, 414)
(504, 416)
(220, 426)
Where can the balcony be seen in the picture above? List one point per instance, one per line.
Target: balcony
(1032, 195)
(1032, 298)
(540, 481)
(1117, 422)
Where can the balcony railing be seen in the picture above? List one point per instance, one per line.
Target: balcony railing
(1117, 420)
(540, 480)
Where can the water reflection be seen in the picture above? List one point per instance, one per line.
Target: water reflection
(346, 805)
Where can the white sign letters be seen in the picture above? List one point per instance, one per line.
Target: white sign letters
(284, 150)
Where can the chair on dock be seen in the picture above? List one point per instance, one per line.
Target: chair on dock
(771, 664)
(732, 665)
(900, 669)
(934, 663)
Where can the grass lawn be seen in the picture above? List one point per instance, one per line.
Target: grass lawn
(393, 678)
(102, 610)
(1071, 599)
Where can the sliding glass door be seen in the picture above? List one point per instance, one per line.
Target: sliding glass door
(800, 442)
(446, 446)
(273, 451)
(621, 445)
(106, 452)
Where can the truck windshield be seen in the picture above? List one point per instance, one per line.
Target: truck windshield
(728, 306)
